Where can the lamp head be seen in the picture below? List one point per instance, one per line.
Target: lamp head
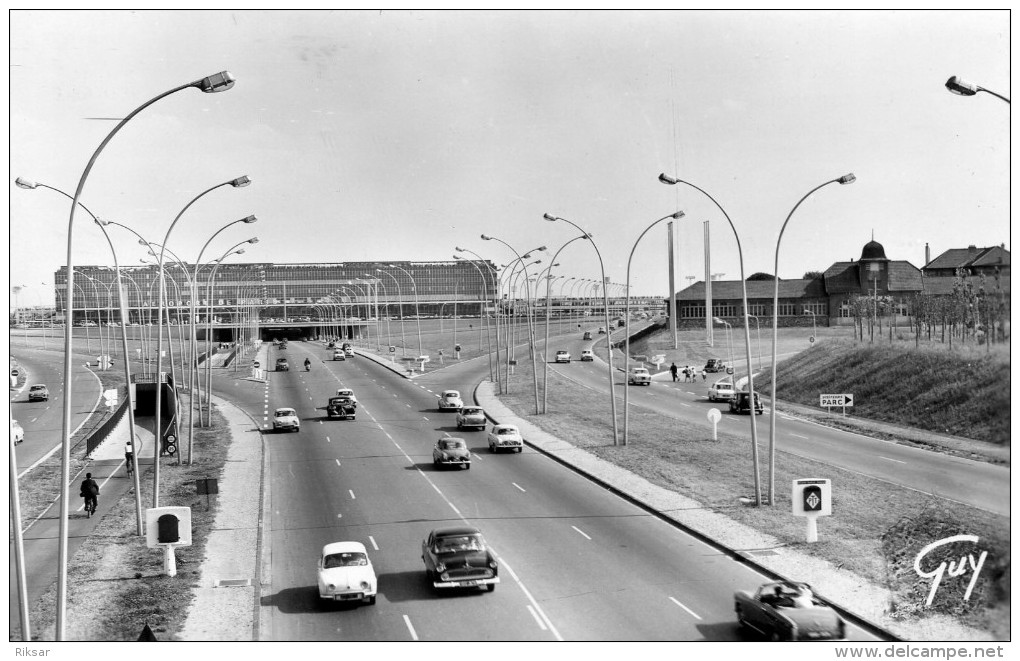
(958, 85)
(666, 179)
(218, 82)
(143, 242)
(486, 237)
(540, 249)
(678, 215)
(21, 182)
(253, 240)
(248, 220)
(457, 257)
(239, 251)
(848, 178)
(548, 217)
(100, 221)
(240, 182)
(459, 249)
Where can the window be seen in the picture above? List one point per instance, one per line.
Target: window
(724, 310)
(788, 309)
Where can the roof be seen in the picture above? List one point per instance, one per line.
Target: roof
(955, 258)
(943, 285)
(904, 276)
(343, 547)
(842, 278)
(731, 289)
(873, 250)
(453, 532)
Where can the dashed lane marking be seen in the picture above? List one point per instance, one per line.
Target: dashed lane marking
(581, 532)
(798, 436)
(353, 497)
(519, 487)
(534, 614)
(374, 545)
(407, 621)
(693, 614)
(336, 460)
(888, 459)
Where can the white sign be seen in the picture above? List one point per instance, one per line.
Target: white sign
(714, 416)
(658, 359)
(110, 396)
(152, 516)
(812, 497)
(845, 399)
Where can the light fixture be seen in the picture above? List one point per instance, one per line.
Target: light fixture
(21, 182)
(218, 82)
(848, 178)
(958, 85)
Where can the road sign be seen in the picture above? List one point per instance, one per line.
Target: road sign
(392, 349)
(811, 339)
(845, 399)
(256, 364)
(15, 372)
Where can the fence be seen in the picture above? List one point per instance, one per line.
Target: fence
(104, 430)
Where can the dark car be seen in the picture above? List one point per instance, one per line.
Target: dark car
(586, 336)
(282, 365)
(741, 403)
(785, 610)
(341, 407)
(714, 365)
(451, 452)
(459, 558)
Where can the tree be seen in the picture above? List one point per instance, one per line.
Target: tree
(813, 275)
(761, 276)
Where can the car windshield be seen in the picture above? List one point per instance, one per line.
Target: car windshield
(451, 445)
(283, 413)
(460, 543)
(469, 411)
(451, 395)
(506, 431)
(351, 559)
(38, 387)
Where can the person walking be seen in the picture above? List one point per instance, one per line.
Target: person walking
(129, 455)
(672, 370)
(90, 492)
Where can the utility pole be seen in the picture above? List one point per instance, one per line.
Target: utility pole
(708, 289)
(673, 308)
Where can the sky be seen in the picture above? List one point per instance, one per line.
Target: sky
(401, 135)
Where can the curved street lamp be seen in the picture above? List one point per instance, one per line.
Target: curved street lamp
(417, 312)
(548, 303)
(848, 178)
(958, 85)
(482, 315)
(400, 308)
(493, 283)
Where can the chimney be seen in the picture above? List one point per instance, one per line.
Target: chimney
(927, 253)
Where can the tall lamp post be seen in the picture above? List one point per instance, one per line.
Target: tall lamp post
(626, 320)
(417, 313)
(233, 250)
(482, 313)
(495, 304)
(664, 178)
(548, 304)
(400, 308)
(215, 83)
(609, 340)
(958, 85)
(848, 178)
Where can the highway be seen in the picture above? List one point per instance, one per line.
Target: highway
(576, 562)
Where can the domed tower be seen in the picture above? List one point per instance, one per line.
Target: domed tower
(874, 267)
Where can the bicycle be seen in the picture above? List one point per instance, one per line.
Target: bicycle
(129, 463)
(91, 502)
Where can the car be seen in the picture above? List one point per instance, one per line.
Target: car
(587, 355)
(602, 331)
(38, 392)
(721, 390)
(450, 451)
(586, 336)
(620, 323)
(346, 573)
(285, 419)
(282, 365)
(741, 403)
(349, 351)
(471, 416)
(450, 399)
(505, 437)
(346, 345)
(341, 407)
(459, 558)
(562, 356)
(283, 344)
(714, 365)
(786, 610)
(338, 354)
(17, 432)
(639, 376)
(347, 392)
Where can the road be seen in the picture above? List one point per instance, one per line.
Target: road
(577, 563)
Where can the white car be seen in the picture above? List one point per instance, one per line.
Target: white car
(347, 392)
(505, 437)
(639, 376)
(338, 354)
(562, 356)
(17, 432)
(286, 419)
(450, 400)
(471, 416)
(721, 391)
(587, 355)
(349, 351)
(346, 573)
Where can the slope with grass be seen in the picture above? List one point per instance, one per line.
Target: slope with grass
(962, 394)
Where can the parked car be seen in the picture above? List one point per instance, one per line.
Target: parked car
(338, 354)
(782, 610)
(587, 355)
(741, 403)
(505, 437)
(346, 573)
(282, 365)
(341, 407)
(471, 416)
(602, 331)
(347, 392)
(285, 419)
(450, 400)
(450, 451)
(714, 365)
(721, 390)
(17, 432)
(586, 336)
(639, 376)
(38, 392)
(620, 323)
(562, 356)
(459, 558)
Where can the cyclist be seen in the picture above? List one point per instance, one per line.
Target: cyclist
(308, 364)
(90, 492)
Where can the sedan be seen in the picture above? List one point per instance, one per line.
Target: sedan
(451, 452)
(505, 437)
(639, 376)
(346, 573)
(471, 416)
(721, 391)
(450, 400)
(784, 610)
(459, 558)
(587, 355)
(282, 365)
(38, 392)
(286, 419)
(562, 356)
(347, 392)
(338, 354)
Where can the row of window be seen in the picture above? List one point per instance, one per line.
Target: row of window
(786, 309)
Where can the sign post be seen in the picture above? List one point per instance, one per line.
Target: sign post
(812, 498)
(423, 360)
(714, 417)
(168, 527)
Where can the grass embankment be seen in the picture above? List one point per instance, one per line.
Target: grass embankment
(116, 584)
(877, 528)
(963, 394)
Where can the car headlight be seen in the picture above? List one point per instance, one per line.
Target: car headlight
(492, 564)
(365, 585)
(332, 587)
(441, 567)
(445, 576)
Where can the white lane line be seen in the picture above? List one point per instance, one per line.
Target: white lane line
(425, 418)
(33, 420)
(581, 532)
(685, 404)
(430, 482)
(518, 486)
(541, 624)
(337, 461)
(407, 405)
(353, 497)
(693, 614)
(534, 603)
(339, 516)
(374, 545)
(888, 459)
(455, 509)
(407, 621)
(320, 422)
(476, 456)
(798, 436)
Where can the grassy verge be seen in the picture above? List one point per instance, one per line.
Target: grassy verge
(864, 536)
(116, 584)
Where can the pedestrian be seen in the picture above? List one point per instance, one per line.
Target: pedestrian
(129, 455)
(90, 492)
(672, 370)
(704, 375)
